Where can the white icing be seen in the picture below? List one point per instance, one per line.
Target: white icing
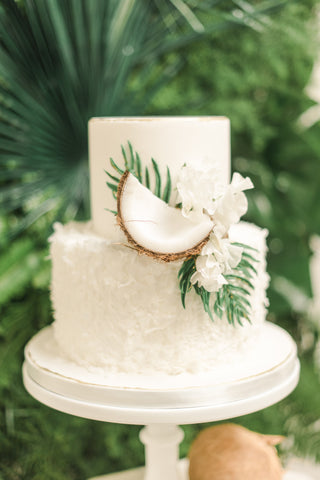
(117, 310)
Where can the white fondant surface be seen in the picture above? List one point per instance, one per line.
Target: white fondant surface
(120, 311)
(171, 141)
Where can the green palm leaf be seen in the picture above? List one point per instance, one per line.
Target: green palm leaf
(133, 164)
(232, 299)
(64, 62)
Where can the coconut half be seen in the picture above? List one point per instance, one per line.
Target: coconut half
(153, 227)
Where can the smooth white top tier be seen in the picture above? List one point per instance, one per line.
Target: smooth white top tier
(171, 141)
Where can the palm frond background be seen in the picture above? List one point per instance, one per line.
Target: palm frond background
(62, 62)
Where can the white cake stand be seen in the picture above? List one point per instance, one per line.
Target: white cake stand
(268, 374)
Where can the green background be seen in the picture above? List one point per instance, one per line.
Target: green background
(62, 62)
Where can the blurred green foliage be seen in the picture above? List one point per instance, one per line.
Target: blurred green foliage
(257, 79)
(63, 62)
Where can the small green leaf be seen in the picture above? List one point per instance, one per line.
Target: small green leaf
(157, 191)
(232, 277)
(185, 273)
(113, 187)
(125, 158)
(238, 289)
(218, 309)
(132, 162)
(167, 189)
(245, 271)
(115, 179)
(138, 168)
(111, 211)
(246, 264)
(249, 257)
(183, 298)
(115, 166)
(245, 246)
(147, 177)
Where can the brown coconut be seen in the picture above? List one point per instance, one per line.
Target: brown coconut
(231, 452)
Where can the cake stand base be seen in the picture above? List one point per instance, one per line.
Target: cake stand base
(267, 374)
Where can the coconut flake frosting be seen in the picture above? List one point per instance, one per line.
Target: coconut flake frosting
(120, 311)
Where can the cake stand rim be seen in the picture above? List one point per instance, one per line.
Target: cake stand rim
(144, 416)
(222, 400)
(47, 364)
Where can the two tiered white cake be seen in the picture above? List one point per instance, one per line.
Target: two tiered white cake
(119, 310)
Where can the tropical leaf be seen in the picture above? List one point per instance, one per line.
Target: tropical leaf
(157, 175)
(64, 62)
(147, 178)
(60, 64)
(167, 189)
(232, 300)
(184, 275)
(133, 165)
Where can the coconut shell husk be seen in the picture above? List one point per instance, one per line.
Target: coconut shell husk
(164, 257)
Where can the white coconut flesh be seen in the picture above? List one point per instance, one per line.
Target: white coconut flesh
(153, 224)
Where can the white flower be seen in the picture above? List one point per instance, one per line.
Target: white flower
(226, 254)
(208, 274)
(230, 207)
(203, 192)
(217, 258)
(197, 191)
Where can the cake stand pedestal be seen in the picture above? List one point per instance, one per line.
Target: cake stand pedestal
(162, 402)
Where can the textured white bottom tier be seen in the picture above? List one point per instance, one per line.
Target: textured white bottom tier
(120, 311)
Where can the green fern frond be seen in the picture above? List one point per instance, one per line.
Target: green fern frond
(147, 178)
(167, 189)
(113, 187)
(115, 179)
(246, 268)
(205, 298)
(232, 277)
(116, 167)
(184, 275)
(126, 163)
(132, 159)
(52, 82)
(233, 303)
(114, 212)
(232, 300)
(138, 167)
(157, 190)
(245, 247)
(134, 165)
